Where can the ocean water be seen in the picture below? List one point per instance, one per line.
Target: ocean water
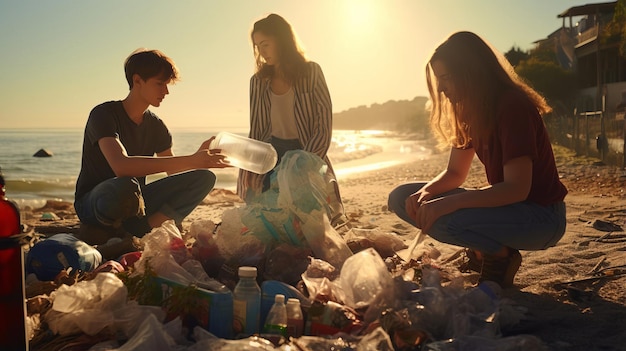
(30, 181)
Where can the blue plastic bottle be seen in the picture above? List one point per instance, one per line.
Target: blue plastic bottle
(246, 303)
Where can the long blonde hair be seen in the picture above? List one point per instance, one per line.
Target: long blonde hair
(479, 74)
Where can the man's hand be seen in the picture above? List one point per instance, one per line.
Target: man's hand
(206, 145)
(205, 158)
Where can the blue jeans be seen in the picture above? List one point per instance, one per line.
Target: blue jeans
(123, 202)
(522, 225)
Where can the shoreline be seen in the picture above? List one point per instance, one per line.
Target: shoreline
(351, 152)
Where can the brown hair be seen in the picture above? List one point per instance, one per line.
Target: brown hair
(149, 64)
(479, 74)
(291, 58)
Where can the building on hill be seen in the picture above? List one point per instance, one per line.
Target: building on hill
(592, 43)
(601, 68)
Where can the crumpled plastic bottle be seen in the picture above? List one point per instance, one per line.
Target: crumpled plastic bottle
(476, 312)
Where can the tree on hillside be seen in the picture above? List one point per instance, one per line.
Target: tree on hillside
(616, 29)
(515, 55)
(548, 78)
(542, 71)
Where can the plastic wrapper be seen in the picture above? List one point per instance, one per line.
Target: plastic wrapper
(330, 318)
(386, 244)
(90, 306)
(319, 281)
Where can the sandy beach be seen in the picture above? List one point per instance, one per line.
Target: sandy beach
(566, 315)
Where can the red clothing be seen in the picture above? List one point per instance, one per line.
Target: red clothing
(520, 131)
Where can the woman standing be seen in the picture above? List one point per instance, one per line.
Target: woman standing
(290, 106)
(481, 107)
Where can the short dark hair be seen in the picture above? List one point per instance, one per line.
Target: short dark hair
(149, 64)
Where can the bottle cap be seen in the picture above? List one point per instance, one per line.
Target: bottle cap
(247, 272)
(279, 298)
(293, 300)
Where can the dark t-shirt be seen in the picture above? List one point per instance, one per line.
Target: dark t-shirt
(520, 132)
(111, 120)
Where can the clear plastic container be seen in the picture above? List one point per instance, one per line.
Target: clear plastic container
(276, 322)
(246, 303)
(245, 153)
(295, 319)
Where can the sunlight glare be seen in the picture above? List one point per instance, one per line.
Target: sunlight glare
(360, 15)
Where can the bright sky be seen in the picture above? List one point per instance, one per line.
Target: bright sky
(61, 58)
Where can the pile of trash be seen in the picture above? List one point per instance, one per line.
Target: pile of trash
(176, 293)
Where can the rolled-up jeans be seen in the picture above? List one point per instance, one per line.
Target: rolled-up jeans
(522, 225)
(123, 202)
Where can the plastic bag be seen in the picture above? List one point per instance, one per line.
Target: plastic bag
(86, 306)
(162, 246)
(370, 288)
(234, 240)
(323, 239)
(292, 211)
(151, 335)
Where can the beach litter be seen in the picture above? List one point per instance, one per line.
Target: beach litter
(176, 294)
(364, 305)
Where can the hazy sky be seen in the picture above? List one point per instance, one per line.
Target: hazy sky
(60, 58)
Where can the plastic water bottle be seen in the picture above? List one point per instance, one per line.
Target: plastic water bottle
(295, 319)
(245, 153)
(276, 322)
(202, 279)
(246, 303)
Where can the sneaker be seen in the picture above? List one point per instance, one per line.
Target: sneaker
(116, 247)
(471, 262)
(96, 234)
(501, 270)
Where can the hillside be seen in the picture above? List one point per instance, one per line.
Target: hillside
(392, 115)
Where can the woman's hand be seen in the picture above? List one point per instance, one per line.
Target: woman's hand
(429, 211)
(414, 201)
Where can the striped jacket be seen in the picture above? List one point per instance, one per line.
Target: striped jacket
(313, 113)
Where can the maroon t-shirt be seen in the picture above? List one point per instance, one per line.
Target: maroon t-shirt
(520, 131)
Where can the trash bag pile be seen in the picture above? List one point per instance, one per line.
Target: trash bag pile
(176, 293)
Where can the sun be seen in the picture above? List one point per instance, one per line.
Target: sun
(361, 22)
(359, 13)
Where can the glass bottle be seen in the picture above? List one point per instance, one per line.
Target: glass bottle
(246, 303)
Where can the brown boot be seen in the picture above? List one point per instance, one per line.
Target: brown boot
(471, 262)
(501, 270)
